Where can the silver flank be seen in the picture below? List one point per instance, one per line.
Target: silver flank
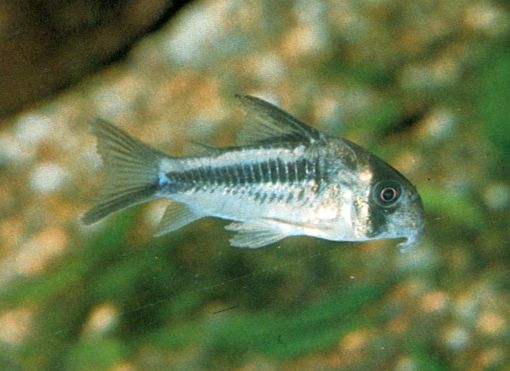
(246, 184)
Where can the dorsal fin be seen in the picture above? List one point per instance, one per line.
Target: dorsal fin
(267, 123)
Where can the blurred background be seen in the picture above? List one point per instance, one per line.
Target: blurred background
(424, 85)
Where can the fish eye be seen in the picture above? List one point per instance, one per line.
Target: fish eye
(387, 193)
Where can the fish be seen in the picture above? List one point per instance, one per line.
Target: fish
(283, 178)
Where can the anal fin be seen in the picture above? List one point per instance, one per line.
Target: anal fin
(254, 235)
(176, 216)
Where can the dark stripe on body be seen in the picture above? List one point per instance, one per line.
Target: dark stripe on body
(270, 172)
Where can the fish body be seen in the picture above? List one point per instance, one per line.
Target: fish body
(288, 179)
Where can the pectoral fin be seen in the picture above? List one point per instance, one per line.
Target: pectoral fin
(176, 216)
(254, 235)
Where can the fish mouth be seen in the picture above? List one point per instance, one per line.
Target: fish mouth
(411, 240)
(408, 244)
(414, 236)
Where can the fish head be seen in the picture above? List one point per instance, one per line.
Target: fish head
(396, 209)
(389, 206)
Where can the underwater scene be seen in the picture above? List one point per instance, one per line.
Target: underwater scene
(243, 273)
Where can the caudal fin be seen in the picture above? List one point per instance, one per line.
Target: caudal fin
(132, 169)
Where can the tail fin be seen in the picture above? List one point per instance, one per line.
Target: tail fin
(132, 169)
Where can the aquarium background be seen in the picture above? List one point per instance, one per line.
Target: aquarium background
(424, 85)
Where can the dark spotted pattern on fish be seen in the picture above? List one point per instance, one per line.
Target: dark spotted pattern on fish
(252, 176)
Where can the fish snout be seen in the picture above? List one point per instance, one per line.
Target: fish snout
(413, 232)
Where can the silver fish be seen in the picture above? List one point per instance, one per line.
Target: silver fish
(288, 180)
